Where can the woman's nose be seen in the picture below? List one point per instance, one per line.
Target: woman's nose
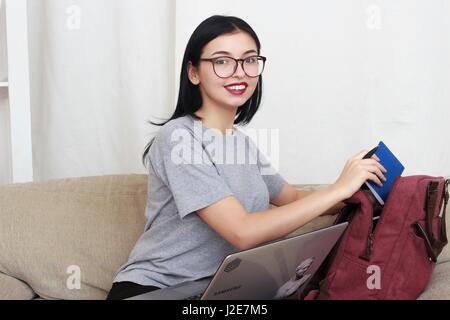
(240, 73)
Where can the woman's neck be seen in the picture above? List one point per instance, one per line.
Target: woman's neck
(217, 118)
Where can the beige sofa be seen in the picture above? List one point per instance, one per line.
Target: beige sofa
(57, 234)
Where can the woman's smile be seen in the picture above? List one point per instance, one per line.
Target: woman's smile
(237, 88)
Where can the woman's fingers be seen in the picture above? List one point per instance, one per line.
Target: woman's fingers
(375, 179)
(359, 155)
(362, 153)
(374, 171)
(374, 162)
(371, 168)
(377, 171)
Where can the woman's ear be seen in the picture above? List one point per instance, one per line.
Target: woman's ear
(192, 74)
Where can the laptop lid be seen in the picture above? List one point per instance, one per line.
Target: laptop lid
(275, 270)
(272, 271)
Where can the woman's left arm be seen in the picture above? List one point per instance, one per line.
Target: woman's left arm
(290, 194)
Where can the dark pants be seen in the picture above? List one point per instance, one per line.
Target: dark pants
(126, 289)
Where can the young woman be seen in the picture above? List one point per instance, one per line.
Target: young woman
(200, 208)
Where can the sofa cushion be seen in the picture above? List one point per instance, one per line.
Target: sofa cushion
(56, 234)
(439, 286)
(445, 254)
(14, 289)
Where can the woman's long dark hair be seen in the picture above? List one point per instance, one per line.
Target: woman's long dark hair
(189, 96)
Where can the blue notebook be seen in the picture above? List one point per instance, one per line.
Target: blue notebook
(394, 169)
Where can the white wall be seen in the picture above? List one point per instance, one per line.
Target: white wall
(361, 71)
(3, 48)
(19, 91)
(5, 139)
(343, 75)
(99, 72)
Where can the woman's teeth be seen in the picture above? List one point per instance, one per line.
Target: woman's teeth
(237, 87)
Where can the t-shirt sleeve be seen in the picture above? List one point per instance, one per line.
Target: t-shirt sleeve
(187, 170)
(273, 180)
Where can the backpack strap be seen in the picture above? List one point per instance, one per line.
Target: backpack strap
(445, 197)
(434, 246)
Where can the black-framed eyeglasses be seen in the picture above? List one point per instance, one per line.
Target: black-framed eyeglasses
(225, 67)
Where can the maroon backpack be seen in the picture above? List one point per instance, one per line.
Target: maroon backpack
(391, 257)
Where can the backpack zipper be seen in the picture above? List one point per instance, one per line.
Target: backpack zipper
(447, 182)
(372, 234)
(369, 247)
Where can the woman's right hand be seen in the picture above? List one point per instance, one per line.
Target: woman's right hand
(358, 170)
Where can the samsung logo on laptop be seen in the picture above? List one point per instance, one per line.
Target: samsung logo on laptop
(227, 290)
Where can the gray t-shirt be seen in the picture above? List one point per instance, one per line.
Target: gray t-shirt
(190, 168)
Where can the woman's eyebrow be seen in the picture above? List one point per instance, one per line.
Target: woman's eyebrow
(229, 53)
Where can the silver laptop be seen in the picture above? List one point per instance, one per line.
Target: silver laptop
(275, 270)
